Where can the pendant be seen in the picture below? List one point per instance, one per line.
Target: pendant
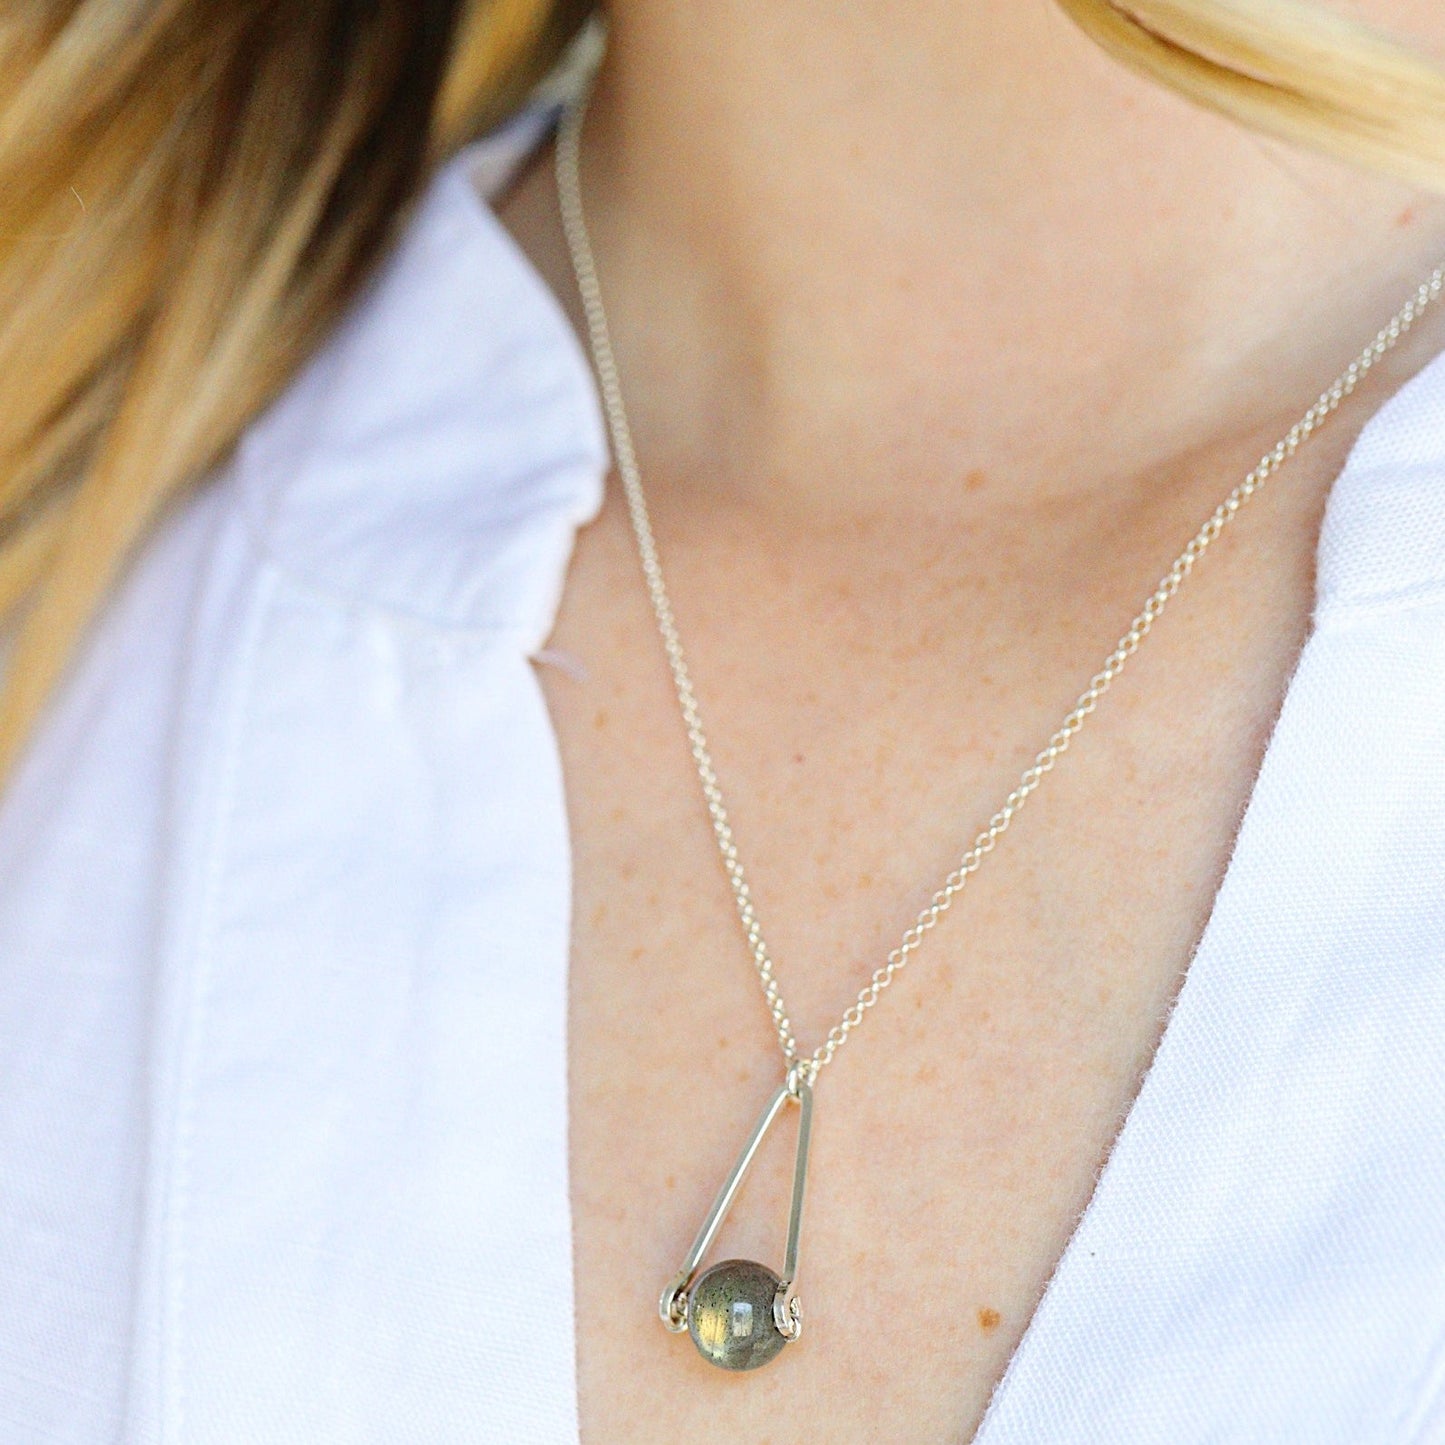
(739, 1313)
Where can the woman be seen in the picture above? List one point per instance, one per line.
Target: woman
(360, 1083)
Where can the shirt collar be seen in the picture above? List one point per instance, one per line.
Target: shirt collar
(1383, 540)
(436, 456)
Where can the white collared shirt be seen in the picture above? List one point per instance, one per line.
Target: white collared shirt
(284, 915)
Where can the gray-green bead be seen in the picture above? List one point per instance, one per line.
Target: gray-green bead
(730, 1315)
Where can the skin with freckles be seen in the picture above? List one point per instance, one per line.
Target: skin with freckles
(940, 334)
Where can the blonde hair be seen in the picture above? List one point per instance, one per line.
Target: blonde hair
(193, 189)
(1291, 69)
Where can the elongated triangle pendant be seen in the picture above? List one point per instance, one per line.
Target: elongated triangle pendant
(739, 1313)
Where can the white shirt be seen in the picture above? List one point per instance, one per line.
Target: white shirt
(284, 895)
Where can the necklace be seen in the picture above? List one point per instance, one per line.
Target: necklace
(740, 1313)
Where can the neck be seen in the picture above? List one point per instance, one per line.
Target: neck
(862, 256)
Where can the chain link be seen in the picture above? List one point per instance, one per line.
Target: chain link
(569, 189)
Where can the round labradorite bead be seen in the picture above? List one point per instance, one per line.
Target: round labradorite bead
(730, 1315)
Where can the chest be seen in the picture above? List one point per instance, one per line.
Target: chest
(959, 1134)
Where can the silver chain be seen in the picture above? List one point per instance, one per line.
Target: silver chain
(569, 188)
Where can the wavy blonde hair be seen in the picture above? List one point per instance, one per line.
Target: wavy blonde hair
(194, 188)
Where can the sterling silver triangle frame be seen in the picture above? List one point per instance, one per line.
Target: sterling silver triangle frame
(676, 1305)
